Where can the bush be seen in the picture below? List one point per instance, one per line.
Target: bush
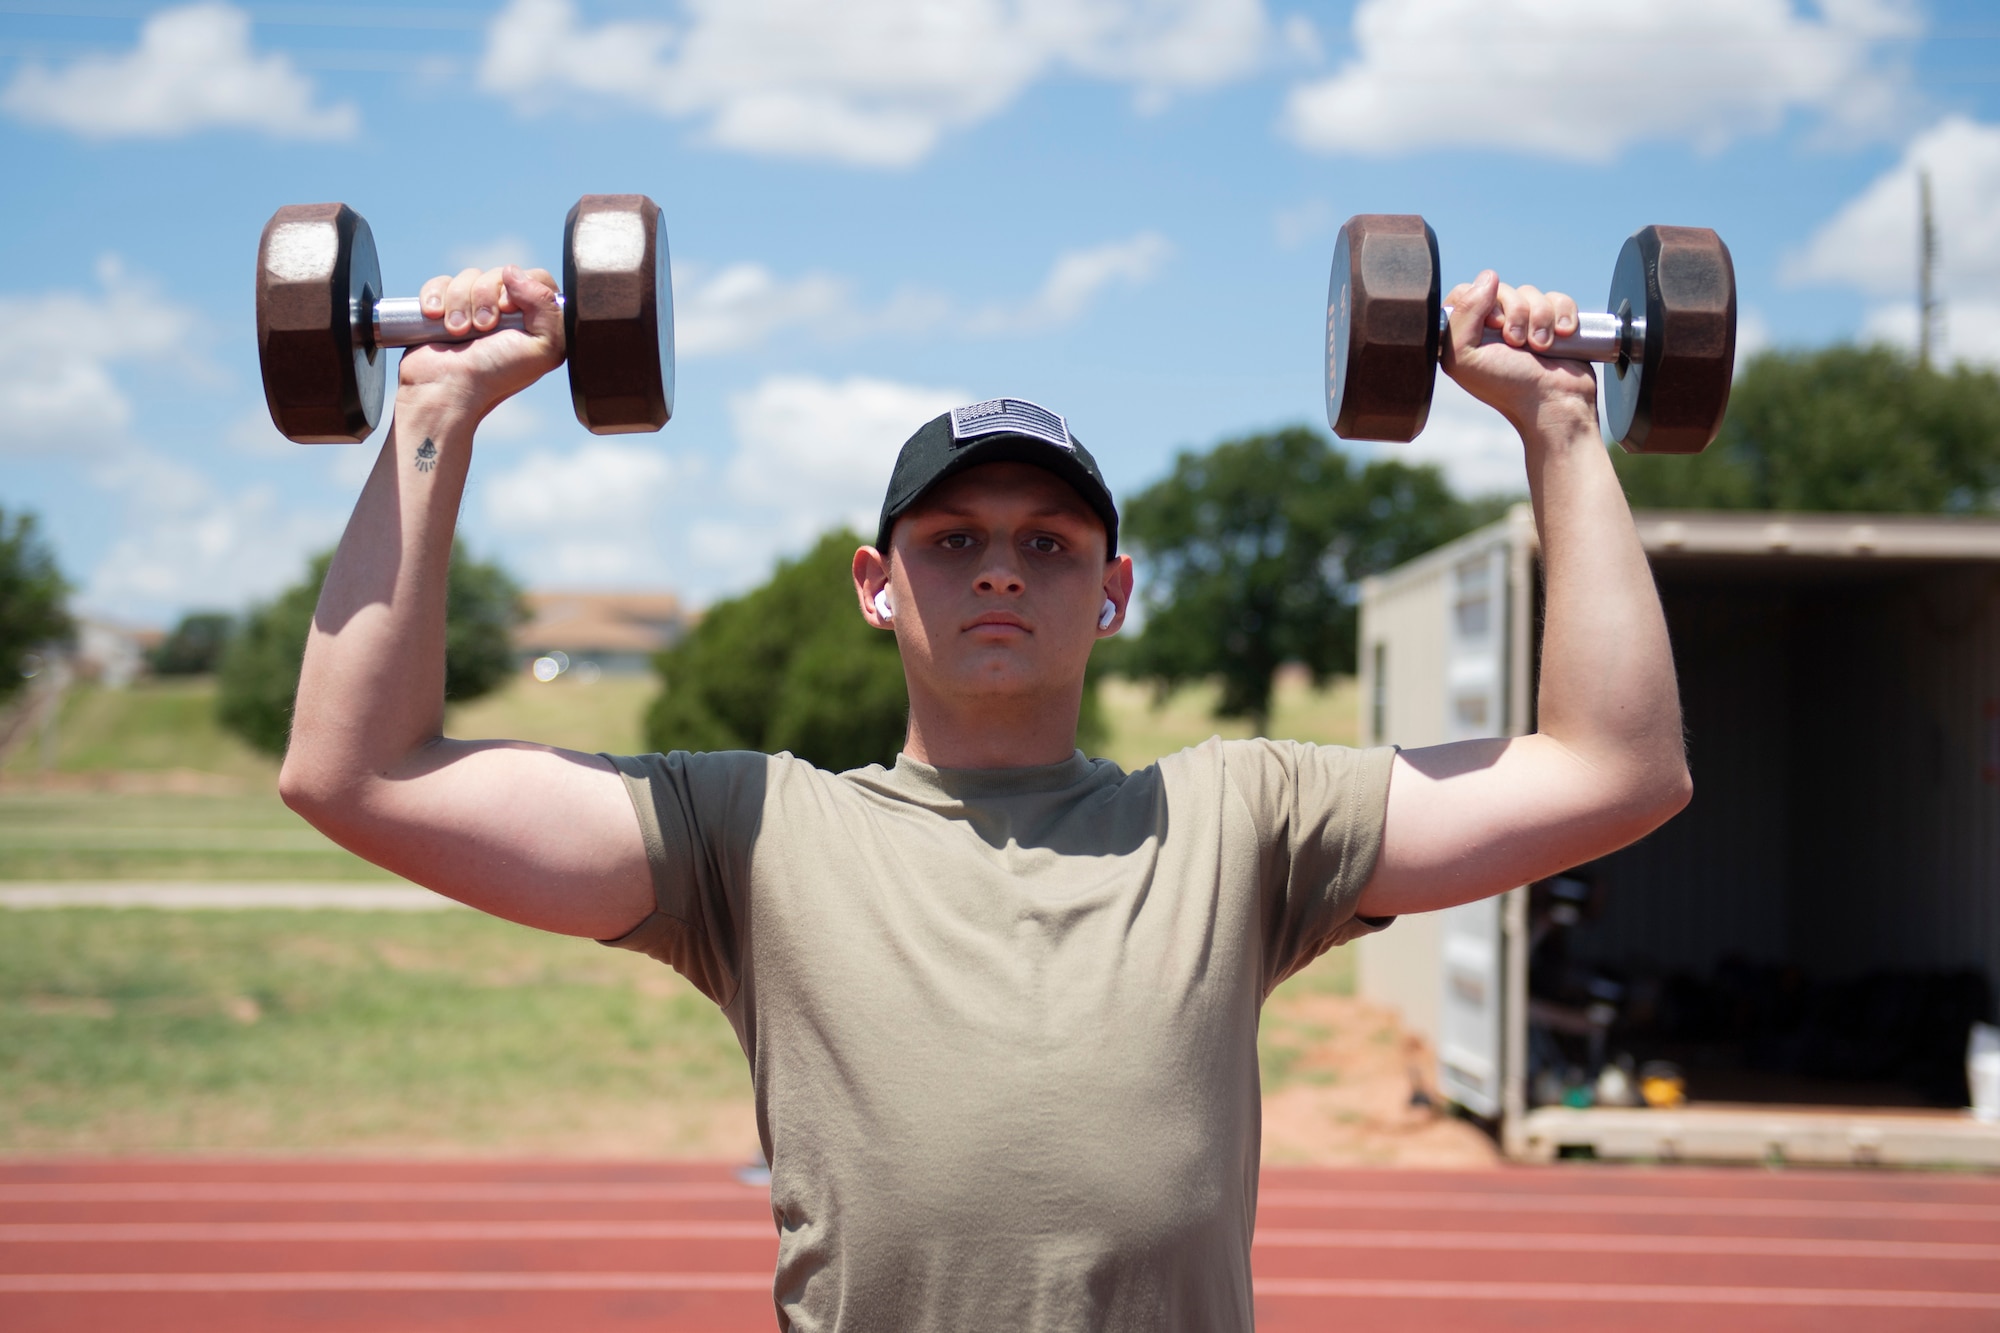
(31, 598)
(194, 648)
(258, 677)
(788, 666)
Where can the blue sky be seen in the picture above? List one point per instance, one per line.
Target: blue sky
(1122, 209)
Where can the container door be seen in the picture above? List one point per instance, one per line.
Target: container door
(1469, 1032)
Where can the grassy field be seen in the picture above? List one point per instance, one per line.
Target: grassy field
(252, 1032)
(146, 786)
(226, 1032)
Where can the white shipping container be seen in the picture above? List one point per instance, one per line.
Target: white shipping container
(1840, 676)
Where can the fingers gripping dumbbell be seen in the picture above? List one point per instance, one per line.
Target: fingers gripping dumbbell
(1667, 338)
(324, 327)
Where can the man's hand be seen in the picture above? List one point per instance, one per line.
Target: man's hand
(1532, 392)
(476, 376)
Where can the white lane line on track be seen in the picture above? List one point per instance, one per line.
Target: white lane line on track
(1639, 1205)
(23, 1283)
(210, 896)
(1536, 1242)
(289, 1233)
(292, 1233)
(382, 1191)
(1626, 1294)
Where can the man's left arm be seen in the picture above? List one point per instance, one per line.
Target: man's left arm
(1607, 764)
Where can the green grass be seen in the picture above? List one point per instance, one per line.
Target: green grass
(250, 1032)
(145, 785)
(144, 1031)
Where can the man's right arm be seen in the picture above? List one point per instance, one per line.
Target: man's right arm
(538, 835)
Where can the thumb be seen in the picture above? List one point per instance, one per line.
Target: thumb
(534, 295)
(1471, 304)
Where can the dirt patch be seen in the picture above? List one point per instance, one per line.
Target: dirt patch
(1344, 1094)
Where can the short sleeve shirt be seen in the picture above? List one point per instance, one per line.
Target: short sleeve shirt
(1002, 1024)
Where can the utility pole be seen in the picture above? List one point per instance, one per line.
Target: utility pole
(1927, 303)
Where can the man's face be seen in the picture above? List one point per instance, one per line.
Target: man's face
(998, 577)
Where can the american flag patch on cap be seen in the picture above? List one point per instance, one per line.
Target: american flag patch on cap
(1010, 416)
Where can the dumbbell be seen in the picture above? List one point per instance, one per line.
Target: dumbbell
(1667, 337)
(324, 327)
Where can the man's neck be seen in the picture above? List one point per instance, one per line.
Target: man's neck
(987, 732)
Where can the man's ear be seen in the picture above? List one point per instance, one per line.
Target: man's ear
(1118, 591)
(871, 588)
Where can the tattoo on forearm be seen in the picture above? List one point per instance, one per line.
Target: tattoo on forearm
(427, 455)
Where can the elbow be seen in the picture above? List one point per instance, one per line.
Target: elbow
(314, 789)
(1664, 794)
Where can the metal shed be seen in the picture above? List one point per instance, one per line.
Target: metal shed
(1838, 869)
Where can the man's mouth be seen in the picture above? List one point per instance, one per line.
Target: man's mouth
(999, 620)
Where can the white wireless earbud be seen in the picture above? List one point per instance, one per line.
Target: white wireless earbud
(882, 607)
(1108, 614)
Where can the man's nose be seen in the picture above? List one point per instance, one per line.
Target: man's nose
(1002, 572)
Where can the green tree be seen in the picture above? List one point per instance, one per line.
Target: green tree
(788, 666)
(194, 646)
(1840, 428)
(1253, 551)
(31, 598)
(259, 673)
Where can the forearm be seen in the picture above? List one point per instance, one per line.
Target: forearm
(371, 691)
(1607, 692)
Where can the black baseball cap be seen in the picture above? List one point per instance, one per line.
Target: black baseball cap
(1000, 430)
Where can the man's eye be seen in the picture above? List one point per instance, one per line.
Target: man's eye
(1046, 545)
(956, 541)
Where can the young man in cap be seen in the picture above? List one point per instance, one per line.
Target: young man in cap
(999, 1000)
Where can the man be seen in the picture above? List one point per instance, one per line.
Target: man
(999, 1001)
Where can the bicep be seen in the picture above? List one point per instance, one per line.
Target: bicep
(1475, 818)
(539, 835)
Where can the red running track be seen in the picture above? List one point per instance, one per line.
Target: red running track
(581, 1247)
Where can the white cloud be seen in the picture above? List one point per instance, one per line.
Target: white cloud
(1581, 79)
(867, 82)
(603, 482)
(57, 350)
(186, 543)
(810, 454)
(1076, 279)
(742, 304)
(193, 69)
(1870, 244)
(590, 515)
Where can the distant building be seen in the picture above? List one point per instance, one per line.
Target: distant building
(614, 632)
(112, 653)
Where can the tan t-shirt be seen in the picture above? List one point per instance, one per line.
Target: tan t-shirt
(1003, 1024)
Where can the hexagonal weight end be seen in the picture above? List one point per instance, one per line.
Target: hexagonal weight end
(316, 273)
(1382, 327)
(1687, 281)
(618, 313)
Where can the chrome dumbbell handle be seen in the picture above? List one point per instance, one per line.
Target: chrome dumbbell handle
(399, 321)
(1599, 336)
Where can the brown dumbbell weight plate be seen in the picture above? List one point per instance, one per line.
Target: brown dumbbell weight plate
(1682, 281)
(618, 313)
(1382, 327)
(317, 281)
